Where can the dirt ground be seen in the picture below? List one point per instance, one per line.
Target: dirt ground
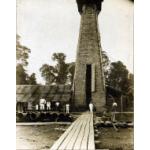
(109, 138)
(42, 137)
(38, 137)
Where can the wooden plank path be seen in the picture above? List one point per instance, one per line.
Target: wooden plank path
(79, 136)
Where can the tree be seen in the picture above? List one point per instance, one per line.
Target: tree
(21, 75)
(58, 73)
(22, 55)
(118, 76)
(130, 91)
(105, 60)
(59, 57)
(105, 64)
(48, 73)
(71, 70)
(61, 67)
(32, 79)
(22, 52)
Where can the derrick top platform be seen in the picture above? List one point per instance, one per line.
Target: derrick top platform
(80, 4)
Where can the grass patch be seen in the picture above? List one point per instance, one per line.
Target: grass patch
(112, 140)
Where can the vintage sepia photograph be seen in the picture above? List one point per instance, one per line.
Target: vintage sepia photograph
(74, 75)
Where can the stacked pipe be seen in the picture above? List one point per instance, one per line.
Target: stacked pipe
(43, 117)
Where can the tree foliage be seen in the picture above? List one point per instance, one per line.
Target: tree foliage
(130, 91)
(21, 75)
(48, 73)
(71, 70)
(59, 73)
(116, 73)
(22, 52)
(61, 67)
(22, 55)
(105, 63)
(59, 57)
(118, 76)
(105, 60)
(32, 79)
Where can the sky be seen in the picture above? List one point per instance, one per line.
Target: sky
(48, 26)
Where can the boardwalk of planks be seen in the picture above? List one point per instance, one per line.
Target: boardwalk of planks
(79, 136)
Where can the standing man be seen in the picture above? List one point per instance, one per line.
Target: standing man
(36, 107)
(57, 106)
(30, 105)
(67, 108)
(114, 106)
(42, 104)
(91, 107)
(48, 104)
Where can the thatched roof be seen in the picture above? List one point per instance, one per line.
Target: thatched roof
(33, 93)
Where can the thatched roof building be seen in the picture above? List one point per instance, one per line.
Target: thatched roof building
(32, 93)
(62, 93)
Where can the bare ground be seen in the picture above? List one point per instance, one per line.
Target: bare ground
(38, 137)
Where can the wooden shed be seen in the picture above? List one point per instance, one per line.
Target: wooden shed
(27, 95)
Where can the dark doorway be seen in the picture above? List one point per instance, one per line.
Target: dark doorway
(88, 84)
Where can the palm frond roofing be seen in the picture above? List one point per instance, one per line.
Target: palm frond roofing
(26, 93)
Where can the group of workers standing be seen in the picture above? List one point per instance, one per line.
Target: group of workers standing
(114, 107)
(47, 105)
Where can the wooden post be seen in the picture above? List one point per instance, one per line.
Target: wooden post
(93, 77)
(121, 106)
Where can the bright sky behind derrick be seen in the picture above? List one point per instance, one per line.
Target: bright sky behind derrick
(48, 26)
